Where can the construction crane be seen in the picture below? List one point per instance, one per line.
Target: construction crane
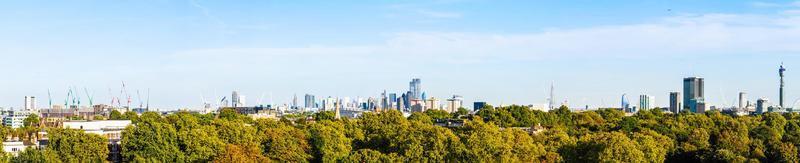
(89, 95)
(124, 93)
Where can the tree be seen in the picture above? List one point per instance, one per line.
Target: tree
(31, 121)
(325, 115)
(282, 142)
(606, 147)
(329, 141)
(369, 155)
(76, 146)
(116, 115)
(129, 115)
(31, 155)
(237, 154)
(151, 140)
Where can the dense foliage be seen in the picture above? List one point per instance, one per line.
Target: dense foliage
(490, 135)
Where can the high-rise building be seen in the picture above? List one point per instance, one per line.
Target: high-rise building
(476, 106)
(415, 89)
(453, 104)
(742, 101)
(30, 103)
(310, 101)
(780, 73)
(294, 102)
(646, 102)
(675, 102)
(762, 105)
(392, 100)
(693, 93)
(235, 99)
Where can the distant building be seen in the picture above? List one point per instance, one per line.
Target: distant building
(15, 119)
(693, 94)
(646, 102)
(476, 106)
(30, 103)
(453, 104)
(675, 102)
(432, 103)
(415, 89)
(743, 102)
(310, 101)
(762, 105)
(235, 99)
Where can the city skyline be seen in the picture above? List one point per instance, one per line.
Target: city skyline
(182, 50)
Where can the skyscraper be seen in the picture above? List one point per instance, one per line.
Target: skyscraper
(693, 93)
(646, 102)
(294, 102)
(235, 99)
(780, 97)
(675, 102)
(742, 101)
(30, 103)
(476, 106)
(762, 105)
(310, 101)
(415, 89)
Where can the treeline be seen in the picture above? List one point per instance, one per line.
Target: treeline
(488, 136)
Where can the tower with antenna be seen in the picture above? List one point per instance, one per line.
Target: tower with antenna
(780, 96)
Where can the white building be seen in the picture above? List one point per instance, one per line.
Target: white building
(14, 147)
(15, 119)
(111, 129)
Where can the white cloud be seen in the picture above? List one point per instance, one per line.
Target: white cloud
(685, 35)
(439, 14)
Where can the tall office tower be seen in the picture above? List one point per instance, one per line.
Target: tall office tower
(742, 101)
(392, 100)
(675, 102)
(762, 105)
(780, 73)
(235, 99)
(384, 100)
(30, 103)
(415, 89)
(693, 93)
(407, 100)
(646, 102)
(294, 102)
(310, 101)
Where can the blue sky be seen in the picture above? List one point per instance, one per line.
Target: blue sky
(497, 51)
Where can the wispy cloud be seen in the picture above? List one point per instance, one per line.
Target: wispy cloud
(773, 4)
(685, 35)
(439, 14)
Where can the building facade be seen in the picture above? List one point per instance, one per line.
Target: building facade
(693, 90)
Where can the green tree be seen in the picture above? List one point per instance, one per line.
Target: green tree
(31, 121)
(329, 141)
(325, 115)
(238, 154)
(31, 155)
(116, 115)
(151, 140)
(76, 146)
(282, 142)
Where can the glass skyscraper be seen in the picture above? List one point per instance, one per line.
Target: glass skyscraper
(693, 94)
(415, 89)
